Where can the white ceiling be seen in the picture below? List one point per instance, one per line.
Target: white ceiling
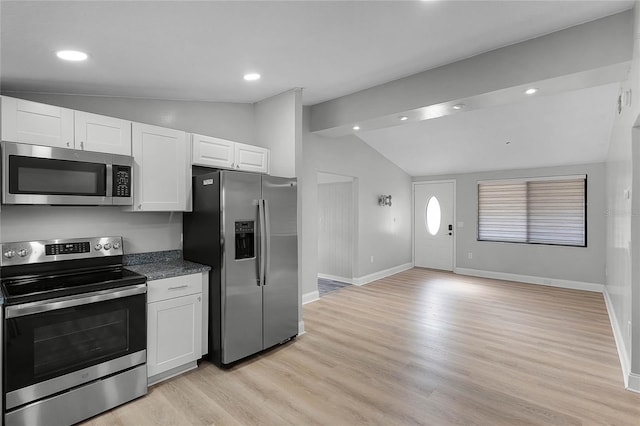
(200, 50)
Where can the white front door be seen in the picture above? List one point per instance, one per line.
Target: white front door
(433, 218)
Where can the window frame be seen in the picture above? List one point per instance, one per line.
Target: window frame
(526, 180)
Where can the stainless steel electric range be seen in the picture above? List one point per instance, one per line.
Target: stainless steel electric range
(75, 330)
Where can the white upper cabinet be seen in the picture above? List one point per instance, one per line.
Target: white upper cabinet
(224, 154)
(251, 158)
(212, 152)
(48, 125)
(160, 173)
(103, 134)
(36, 123)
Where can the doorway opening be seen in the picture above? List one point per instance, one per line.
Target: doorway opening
(336, 225)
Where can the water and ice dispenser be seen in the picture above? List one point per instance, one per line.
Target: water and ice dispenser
(245, 240)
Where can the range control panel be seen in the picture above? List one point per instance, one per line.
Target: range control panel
(27, 252)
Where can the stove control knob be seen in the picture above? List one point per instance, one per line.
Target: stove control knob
(107, 246)
(22, 252)
(116, 245)
(97, 247)
(9, 254)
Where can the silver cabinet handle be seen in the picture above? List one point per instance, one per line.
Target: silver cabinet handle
(178, 287)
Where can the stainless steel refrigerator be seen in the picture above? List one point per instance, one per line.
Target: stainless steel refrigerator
(244, 226)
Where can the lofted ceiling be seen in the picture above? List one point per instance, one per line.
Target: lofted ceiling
(568, 128)
(199, 50)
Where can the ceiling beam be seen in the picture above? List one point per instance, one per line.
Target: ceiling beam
(586, 55)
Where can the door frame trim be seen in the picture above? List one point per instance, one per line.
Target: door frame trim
(413, 219)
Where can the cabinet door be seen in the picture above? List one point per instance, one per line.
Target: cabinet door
(252, 158)
(174, 333)
(212, 152)
(36, 123)
(95, 132)
(160, 172)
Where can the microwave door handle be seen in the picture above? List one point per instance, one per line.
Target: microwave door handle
(109, 180)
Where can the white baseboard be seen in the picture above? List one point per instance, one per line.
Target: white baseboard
(633, 384)
(382, 274)
(301, 328)
(620, 343)
(336, 278)
(552, 282)
(312, 296)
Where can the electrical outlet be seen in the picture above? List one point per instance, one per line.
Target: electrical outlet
(470, 255)
(371, 259)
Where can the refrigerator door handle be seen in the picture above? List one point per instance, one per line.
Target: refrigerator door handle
(267, 237)
(262, 249)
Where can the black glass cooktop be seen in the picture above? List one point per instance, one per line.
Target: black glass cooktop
(29, 288)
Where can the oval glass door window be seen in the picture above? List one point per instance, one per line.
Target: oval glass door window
(433, 215)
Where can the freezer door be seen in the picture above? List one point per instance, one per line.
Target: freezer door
(280, 290)
(241, 290)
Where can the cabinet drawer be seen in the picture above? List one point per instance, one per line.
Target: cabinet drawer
(169, 288)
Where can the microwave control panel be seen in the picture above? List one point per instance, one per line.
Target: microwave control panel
(121, 181)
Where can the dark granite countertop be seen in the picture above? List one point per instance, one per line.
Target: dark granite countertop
(162, 264)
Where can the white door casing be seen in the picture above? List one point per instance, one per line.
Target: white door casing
(433, 246)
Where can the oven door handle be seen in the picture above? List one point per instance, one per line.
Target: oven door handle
(75, 300)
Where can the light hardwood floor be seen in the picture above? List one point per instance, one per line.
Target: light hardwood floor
(420, 347)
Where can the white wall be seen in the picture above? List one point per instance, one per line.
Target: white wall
(142, 232)
(275, 128)
(580, 264)
(622, 289)
(335, 229)
(377, 234)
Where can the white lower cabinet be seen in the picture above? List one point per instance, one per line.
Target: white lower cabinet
(174, 325)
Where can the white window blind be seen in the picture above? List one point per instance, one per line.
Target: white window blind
(537, 211)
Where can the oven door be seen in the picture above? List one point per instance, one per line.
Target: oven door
(54, 345)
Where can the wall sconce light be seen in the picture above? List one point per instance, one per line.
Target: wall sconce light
(384, 200)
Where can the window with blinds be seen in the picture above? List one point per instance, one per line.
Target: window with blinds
(536, 211)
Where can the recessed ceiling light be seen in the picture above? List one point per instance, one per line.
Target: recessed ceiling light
(530, 91)
(71, 55)
(356, 127)
(404, 118)
(458, 106)
(252, 76)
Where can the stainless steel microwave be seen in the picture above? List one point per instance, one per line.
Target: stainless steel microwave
(33, 174)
